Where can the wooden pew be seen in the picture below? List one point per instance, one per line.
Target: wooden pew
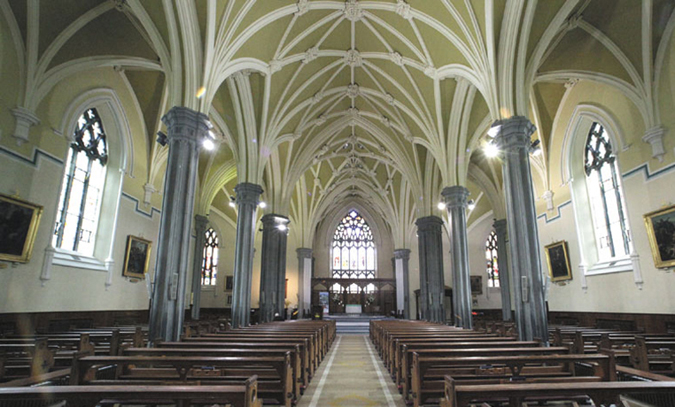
(408, 349)
(275, 371)
(458, 395)
(296, 347)
(244, 395)
(228, 352)
(429, 372)
(426, 359)
(304, 343)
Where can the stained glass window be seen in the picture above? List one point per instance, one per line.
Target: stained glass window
(491, 258)
(80, 200)
(612, 233)
(353, 248)
(210, 258)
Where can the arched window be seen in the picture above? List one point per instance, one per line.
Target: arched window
(80, 200)
(210, 259)
(353, 248)
(491, 258)
(612, 234)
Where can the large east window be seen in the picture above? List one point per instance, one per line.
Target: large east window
(353, 248)
(612, 233)
(210, 259)
(491, 259)
(80, 200)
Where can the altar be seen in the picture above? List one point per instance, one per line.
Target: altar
(353, 309)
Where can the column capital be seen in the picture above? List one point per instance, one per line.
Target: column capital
(248, 193)
(201, 222)
(402, 254)
(514, 133)
(304, 253)
(25, 119)
(272, 220)
(499, 225)
(186, 124)
(455, 196)
(429, 223)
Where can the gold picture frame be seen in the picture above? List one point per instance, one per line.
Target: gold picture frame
(660, 226)
(19, 221)
(137, 257)
(558, 261)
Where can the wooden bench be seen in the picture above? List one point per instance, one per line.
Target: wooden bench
(427, 380)
(458, 395)
(425, 359)
(244, 395)
(408, 349)
(275, 371)
(228, 352)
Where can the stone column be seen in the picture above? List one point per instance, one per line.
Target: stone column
(186, 129)
(201, 223)
(503, 264)
(281, 265)
(432, 284)
(273, 266)
(401, 260)
(247, 200)
(304, 279)
(513, 139)
(456, 202)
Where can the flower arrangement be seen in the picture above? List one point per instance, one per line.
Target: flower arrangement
(337, 299)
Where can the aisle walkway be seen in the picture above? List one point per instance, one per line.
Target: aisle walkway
(352, 374)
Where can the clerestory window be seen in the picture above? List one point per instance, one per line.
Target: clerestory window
(608, 208)
(80, 199)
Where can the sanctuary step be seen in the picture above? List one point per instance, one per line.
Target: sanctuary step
(353, 323)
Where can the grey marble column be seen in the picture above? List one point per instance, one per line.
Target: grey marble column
(201, 223)
(513, 139)
(503, 264)
(273, 266)
(304, 280)
(455, 198)
(402, 267)
(432, 284)
(247, 200)
(186, 129)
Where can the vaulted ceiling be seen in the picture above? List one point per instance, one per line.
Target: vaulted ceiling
(384, 101)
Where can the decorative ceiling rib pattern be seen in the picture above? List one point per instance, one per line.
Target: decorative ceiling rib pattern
(322, 102)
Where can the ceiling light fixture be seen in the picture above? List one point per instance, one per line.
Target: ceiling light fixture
(262, 204)
(441, 206)
(282, 227)
(232, 204)
(491, 150)
(471, 205)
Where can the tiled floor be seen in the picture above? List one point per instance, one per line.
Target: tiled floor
(351, 375)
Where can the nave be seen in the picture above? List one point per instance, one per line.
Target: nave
(353, 375)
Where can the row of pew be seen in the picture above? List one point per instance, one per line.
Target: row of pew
(269, 364)
(435, 364)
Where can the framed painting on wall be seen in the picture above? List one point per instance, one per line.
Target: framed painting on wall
(19, 222)
(229, 282)
(558, 261)
(661, 231)
(476, 285)
(137, 258)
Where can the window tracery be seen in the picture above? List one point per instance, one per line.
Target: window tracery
(612, 233)
(80, 199)
(210, 258)
(492, 260)
(353, 249)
